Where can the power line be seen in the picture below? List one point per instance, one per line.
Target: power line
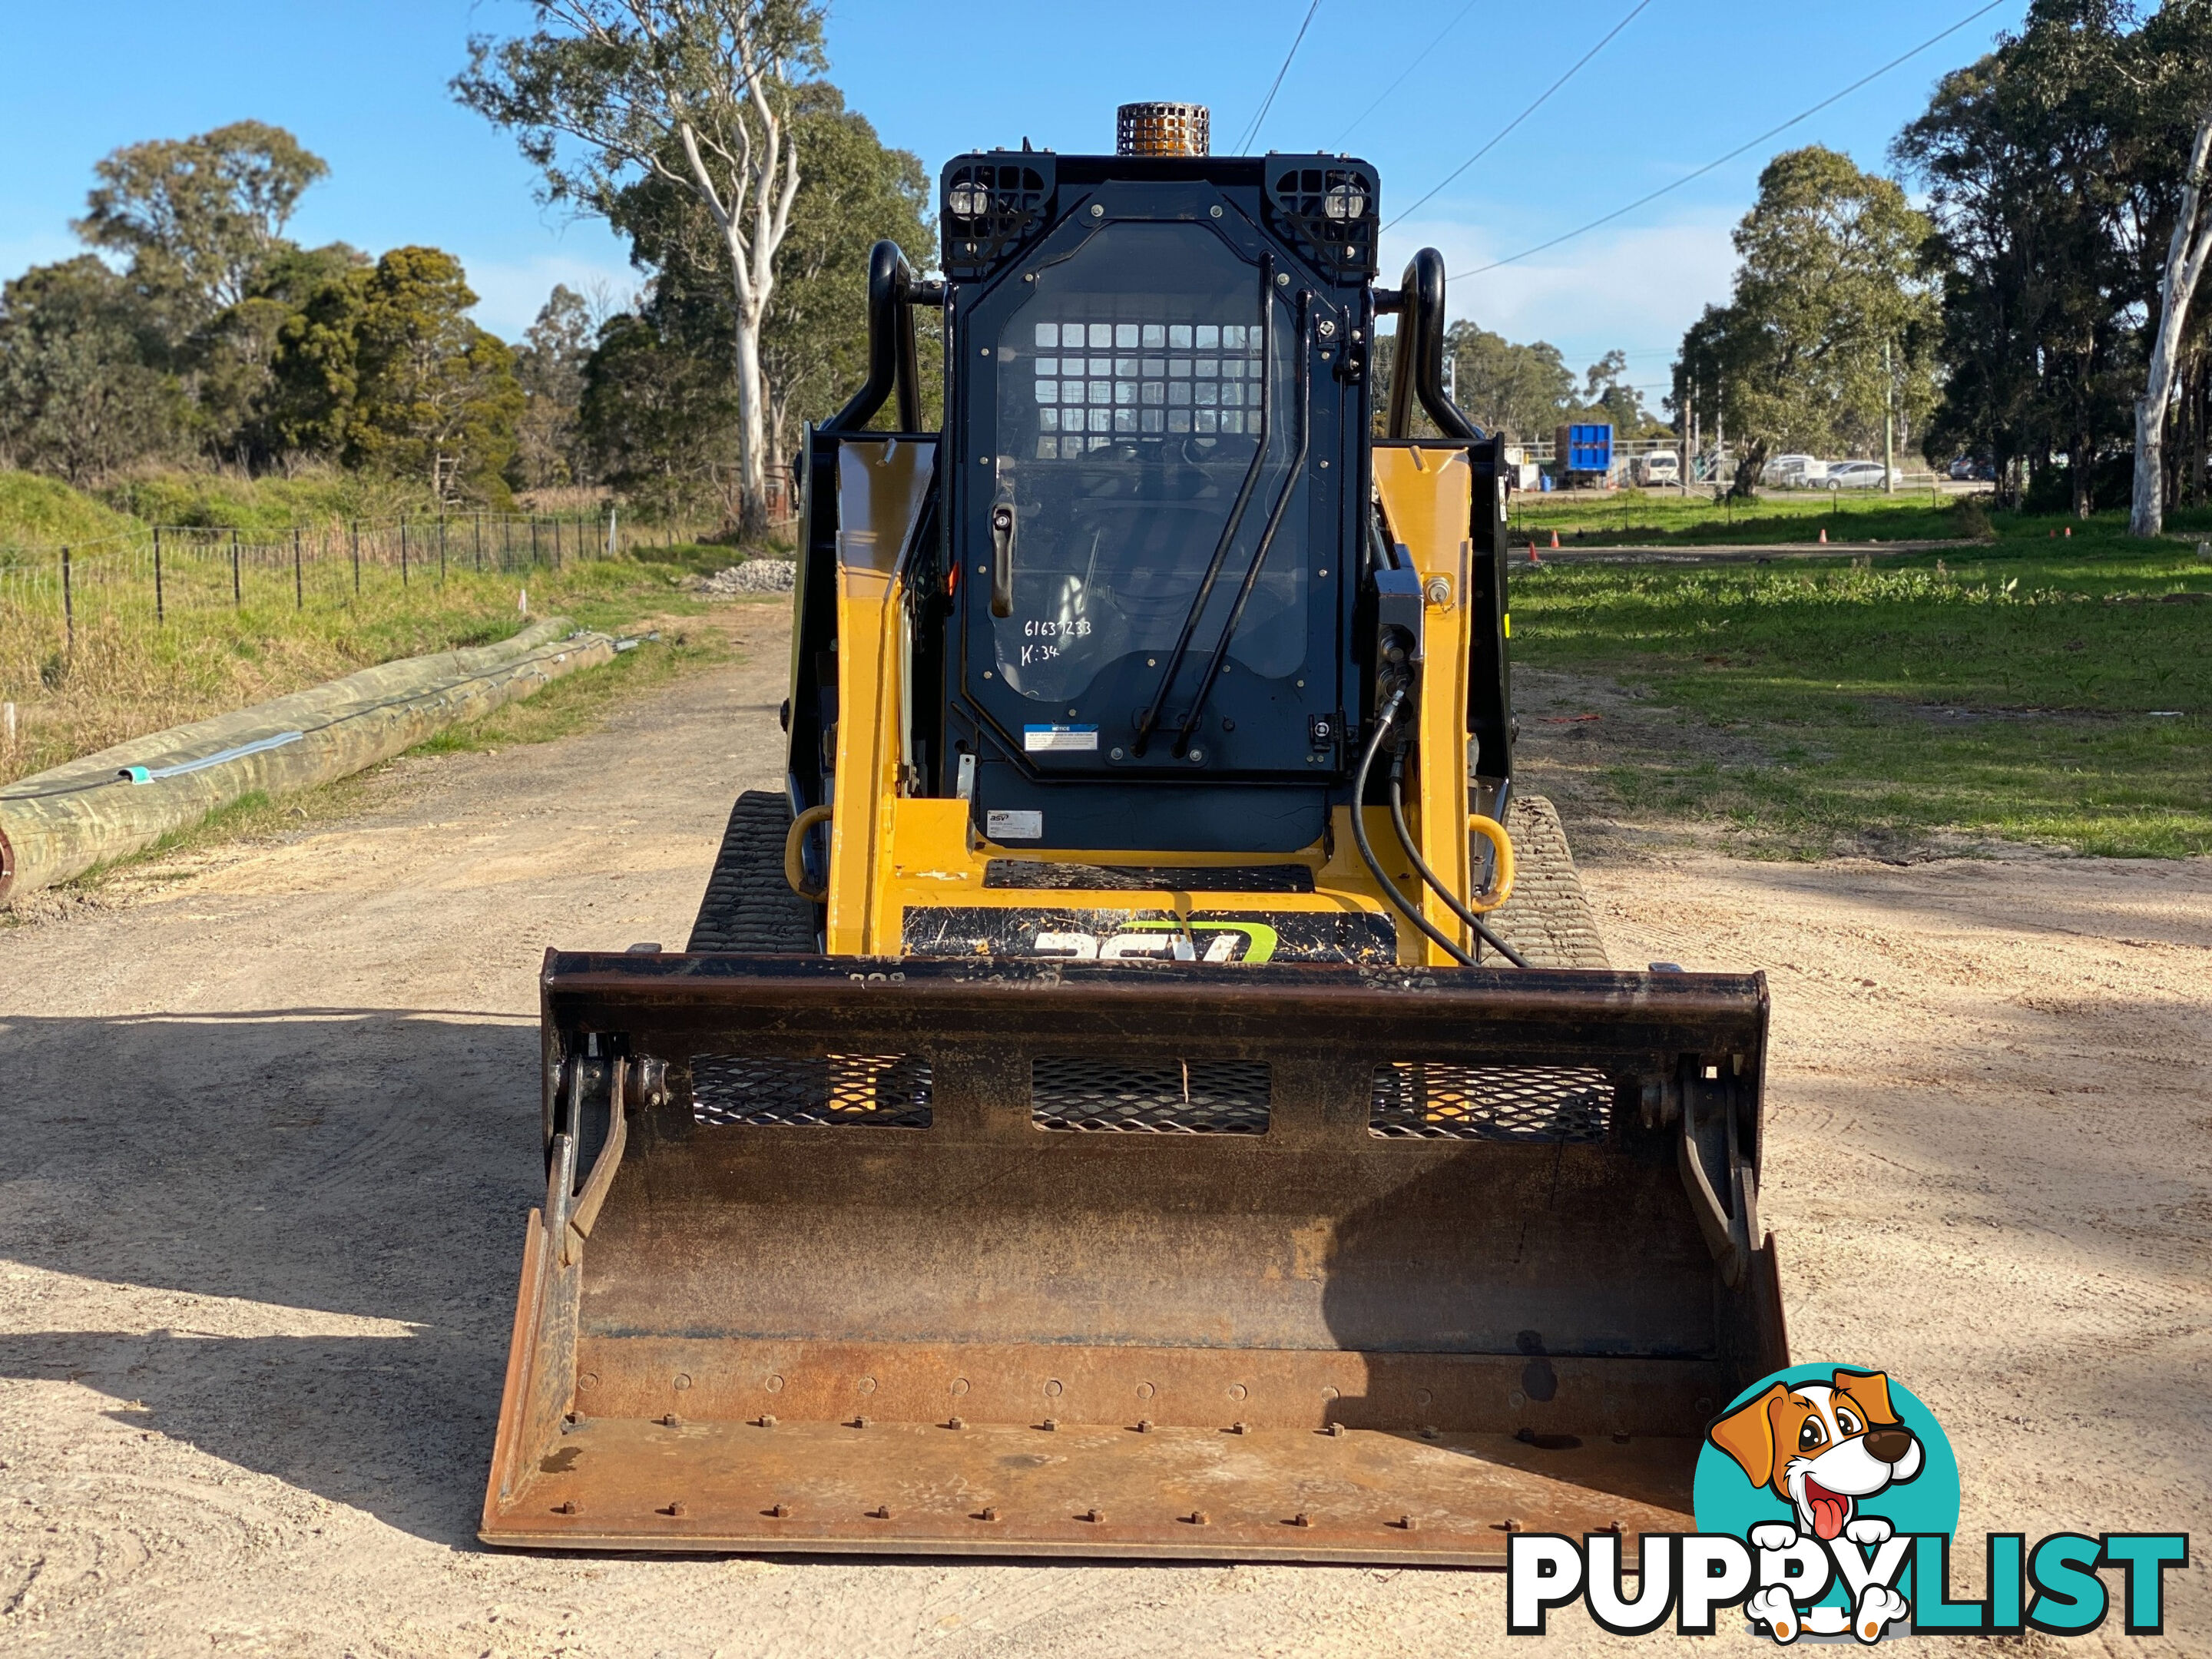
(1403, 73)
(1542, 100)
(1252, 132)
(1803, 115)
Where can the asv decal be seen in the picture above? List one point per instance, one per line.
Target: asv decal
(1231, 941)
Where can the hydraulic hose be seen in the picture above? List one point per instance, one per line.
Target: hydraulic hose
(1421, 866)
(1385, 723)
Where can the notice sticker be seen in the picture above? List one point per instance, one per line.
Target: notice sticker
(1014, 826)
(1061, 739)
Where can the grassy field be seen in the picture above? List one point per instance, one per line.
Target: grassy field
(38, 510)
(2040, 689)
(1656, 517)
(124, 678)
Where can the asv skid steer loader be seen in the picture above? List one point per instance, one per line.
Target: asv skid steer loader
(1094, 1116)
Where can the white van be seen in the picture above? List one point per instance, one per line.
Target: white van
(1795, 472)
(1661, 466)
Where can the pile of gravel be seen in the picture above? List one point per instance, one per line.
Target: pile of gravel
(753, 576)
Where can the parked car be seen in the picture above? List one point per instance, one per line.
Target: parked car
(1793, 471)
(1966, 469)
(1661, 466)
(1858, 475)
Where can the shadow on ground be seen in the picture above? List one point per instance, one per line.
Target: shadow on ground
(357, 1180)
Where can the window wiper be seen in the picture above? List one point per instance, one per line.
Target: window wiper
(1302, 348)
(1148, 722)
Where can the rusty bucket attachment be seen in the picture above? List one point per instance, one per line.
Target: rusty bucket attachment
(1130, 1258)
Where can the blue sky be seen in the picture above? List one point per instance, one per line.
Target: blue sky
(364, 86)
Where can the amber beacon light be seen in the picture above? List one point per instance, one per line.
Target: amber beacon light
(1161, 130)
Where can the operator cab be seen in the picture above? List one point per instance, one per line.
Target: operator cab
(1154, 453)
(1141, 590)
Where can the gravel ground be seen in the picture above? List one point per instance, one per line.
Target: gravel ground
(271, 1133)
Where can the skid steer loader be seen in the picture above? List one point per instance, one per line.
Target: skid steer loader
(1125, 1097)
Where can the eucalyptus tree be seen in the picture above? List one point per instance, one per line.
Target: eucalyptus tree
(1830, 326)
(200, 216)
(697, 93)
(2174, 75)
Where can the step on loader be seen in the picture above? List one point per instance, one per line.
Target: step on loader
(1126, 1097)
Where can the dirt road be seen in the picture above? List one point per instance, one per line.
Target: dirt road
(270, 1134)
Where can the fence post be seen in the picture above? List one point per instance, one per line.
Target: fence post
(299, 584)
(68, 603)
(236, 598)
(161, 604)
(403, 552)
(478, 537)
(441, 550)
(352, 530)
(533, 541)
(557, 541)
(611, 531)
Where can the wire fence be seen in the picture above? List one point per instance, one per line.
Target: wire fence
(151, 578)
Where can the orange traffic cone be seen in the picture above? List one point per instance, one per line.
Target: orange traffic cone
(1824, 535)
(1555, 541)
(1533, 559)
(2069, 532)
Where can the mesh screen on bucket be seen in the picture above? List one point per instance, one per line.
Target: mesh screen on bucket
(1193, 1097)
(1493, 1102)
(884, 1091)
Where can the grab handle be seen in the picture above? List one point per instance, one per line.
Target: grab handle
(1002, 559)
(1501, 868)
(794, 851)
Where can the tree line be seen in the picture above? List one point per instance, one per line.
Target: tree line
(707, 132)
(2036, 308)
(2041, 311)
(197, 331)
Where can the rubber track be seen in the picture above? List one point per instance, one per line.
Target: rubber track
(748, 905)
(1548, 919)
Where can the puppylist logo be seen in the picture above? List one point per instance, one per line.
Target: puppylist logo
(1825, 1500)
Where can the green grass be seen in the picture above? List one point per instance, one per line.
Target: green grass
(579, 702)
(37, 512)
(124, 671)
(2003, 694)
(703, 558)
(576, 703)
(125, 677)
(1658, 518)
(262, 505)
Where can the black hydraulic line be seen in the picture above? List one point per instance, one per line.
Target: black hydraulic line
(1150, 720)
(1383, 725)
(1304, 349)
(1421, 867)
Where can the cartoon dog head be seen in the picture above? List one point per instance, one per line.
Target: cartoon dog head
(1821, 1446)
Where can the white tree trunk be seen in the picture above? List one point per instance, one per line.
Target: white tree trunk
(750, 204)
(2185, 259)
(752, 400)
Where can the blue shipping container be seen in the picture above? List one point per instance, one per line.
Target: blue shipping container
(1584, 448)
